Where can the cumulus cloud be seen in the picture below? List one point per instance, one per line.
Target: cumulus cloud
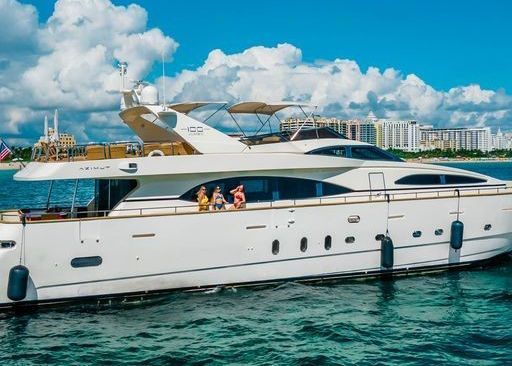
(338, 87)
(69, 62)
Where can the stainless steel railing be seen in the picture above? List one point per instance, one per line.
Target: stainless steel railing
(66, 214)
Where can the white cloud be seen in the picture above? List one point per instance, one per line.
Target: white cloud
(68, 62)
(338, 87)
(72, 65)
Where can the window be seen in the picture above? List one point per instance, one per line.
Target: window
(339, 151)
(435, 179)
(328, 242)
(370, 153)
(303, 244)
(275, 247)
(109, 192)
(363, 152)
(261, 189)
(420, 179)
(86, 262)
(461, 179)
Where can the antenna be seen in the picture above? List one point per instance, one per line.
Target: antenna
(46, 137)
(163, 77)
(123, 66)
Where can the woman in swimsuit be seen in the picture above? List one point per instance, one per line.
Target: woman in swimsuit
(202, 199)
(218, 200)
(239, 195)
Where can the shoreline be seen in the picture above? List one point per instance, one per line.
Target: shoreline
(441, 160)
(16, 165)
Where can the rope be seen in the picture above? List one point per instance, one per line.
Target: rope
(458, 203)
(387, 215)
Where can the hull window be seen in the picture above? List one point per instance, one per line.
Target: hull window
(350, 239)
(328, 242)
(261, 189)
(416, 234)
(303, 244)
(275, 247)
(436, 179)
(86, 262)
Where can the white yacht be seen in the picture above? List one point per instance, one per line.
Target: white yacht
(317, 206)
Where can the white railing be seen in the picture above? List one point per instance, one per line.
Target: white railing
(65, 214)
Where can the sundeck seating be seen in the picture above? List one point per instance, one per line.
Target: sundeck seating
(51, 152)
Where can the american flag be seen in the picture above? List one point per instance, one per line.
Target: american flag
(4, 150)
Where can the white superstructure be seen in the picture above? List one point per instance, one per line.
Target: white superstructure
(318, 206)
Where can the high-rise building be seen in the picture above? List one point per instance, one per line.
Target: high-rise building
(400, 135)
(473, 138)
(352, 129)
(500, 141)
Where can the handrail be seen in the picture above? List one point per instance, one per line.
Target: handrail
(107, 150)
(342, 199)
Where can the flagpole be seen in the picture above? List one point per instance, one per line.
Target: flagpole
(11, 152)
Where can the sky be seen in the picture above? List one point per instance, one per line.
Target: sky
(447, 63)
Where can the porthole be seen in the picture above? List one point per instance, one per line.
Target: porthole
(275, 247)
(4, 244)
(487, 227)
(439, 232)
(328, 242)
(303, 244)
(86, 262)
(350, 239)
(416, 234)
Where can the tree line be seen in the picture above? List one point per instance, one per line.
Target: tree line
(453, 154)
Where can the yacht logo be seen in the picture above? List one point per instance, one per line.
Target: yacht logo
(89, 168)
(195, 130)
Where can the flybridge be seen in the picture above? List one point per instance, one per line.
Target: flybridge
(156, 122)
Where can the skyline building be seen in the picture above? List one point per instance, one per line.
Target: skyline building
(406, 135)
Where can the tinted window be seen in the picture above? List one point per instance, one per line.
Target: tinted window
(370, 153)
(109, 192)
(420, 179)
(340, 151)
(86, 262)
(269, 188)
(460, 179)
(435, 179)
(356, 152)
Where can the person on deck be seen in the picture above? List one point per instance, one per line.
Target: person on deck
(218, 200)
(202, 199)
(239, 197)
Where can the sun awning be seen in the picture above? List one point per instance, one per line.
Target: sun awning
(262, 107)
(187, 107)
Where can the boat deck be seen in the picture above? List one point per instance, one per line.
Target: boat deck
(52, 152)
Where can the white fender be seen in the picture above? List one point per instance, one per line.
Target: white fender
(156, 153)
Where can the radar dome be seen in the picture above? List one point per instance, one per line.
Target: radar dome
(149, 95)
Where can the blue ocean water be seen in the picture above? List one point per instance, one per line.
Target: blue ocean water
(449, 318)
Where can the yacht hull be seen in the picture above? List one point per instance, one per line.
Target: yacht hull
(196, 251)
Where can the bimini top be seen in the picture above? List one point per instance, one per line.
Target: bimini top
(187, 107)
(283, 136)
(262, 107)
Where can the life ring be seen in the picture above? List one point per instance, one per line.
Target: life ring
(156, 153)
